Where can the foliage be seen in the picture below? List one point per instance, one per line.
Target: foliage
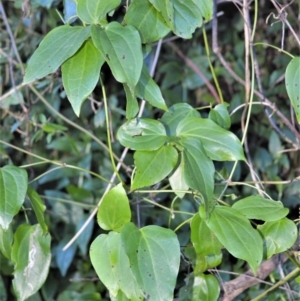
(206, 190)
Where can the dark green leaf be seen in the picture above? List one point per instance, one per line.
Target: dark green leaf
(6, 240)
(132, 106)
(56, 47)
(219, 114)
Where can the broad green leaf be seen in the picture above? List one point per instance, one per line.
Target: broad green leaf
(187, 17)
(112, 265)
(257, 207)
(165, 7)
(80, 74)
(38, 207)
(94, 11)
(292, 83)
(153, 166)
(121, 47)
(147, 89)
(176, 114)
(279, 235)
(114, 211)
(147, 20)
(219, 144)
(56, 47)
(31, 256)
(142, 134)
(6, 240)
(206, 8)
(219, 114)
(198, 170)
(236, 234)
(154, 256)
(13, 187)
(132, 106)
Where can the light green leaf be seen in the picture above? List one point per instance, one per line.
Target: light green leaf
(236, 234)
(6, 240)
(147, 89)
(219, 114)
(13, 187)
(31, 256)
(206, 8)
(198, 170)
(122, 50)
(292, 83)
(154, 256)
(132, 106)
(257, 207)
(142, 134)
(147, 20)
(279, 235)
(93, 11)
(205, 288)
(114, 211)
(219, 144)
(56, 47)
(165, 7)
(38, 207)
(176, 114)
(80, 74)
(153, 166)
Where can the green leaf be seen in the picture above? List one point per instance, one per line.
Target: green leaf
(132, 106)
(236, 234)
(147, 20)
(257, 207)
(56, 47)
(206, 8)
(142, 134)
(114, 211)
(292, 84)
(6, 240)
(121, 47)
(219, 144)
(198, 170)
(147, 89)
(153, 166)
(176, 114)
(165, 7)
(94, 11)
(112, 265)
(80, 74)
(279, 235)
(13, 187)
(38, 207)
(219, 114)
(31, 256)
(154, 256)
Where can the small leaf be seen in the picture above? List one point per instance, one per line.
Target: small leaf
(257, 207)
(219, 144)
(219, 114)
(80, 74)
(205, 288)
(114, 211)
(56, 47)
(292, 84)
(31, 256)
(93, 11)
(206, 8)
(153, 166)
(236, 234)
(147, 20)
(165, 7)
(132, 106)
(122, 50)
(6, 240)
(13, 187)
(70, 14)
(142, 134)
(38, 207)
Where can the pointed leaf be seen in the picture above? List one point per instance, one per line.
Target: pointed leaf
(6, 240)
(121, 47)
(132, 106)
(153, 166)
(80, 74)
(56, 47)
(114, 211)
(165, 7)
(206, 7)
(38, 207)
(147, 89)
(237, 235)
(13, 187)
(292, 83)
(257, 207)
(219, 114)
(93, 11)
(142, 134)
(31, 256)
(147, 20)
(219, 144)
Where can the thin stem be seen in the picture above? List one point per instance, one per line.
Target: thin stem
(67, 201)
